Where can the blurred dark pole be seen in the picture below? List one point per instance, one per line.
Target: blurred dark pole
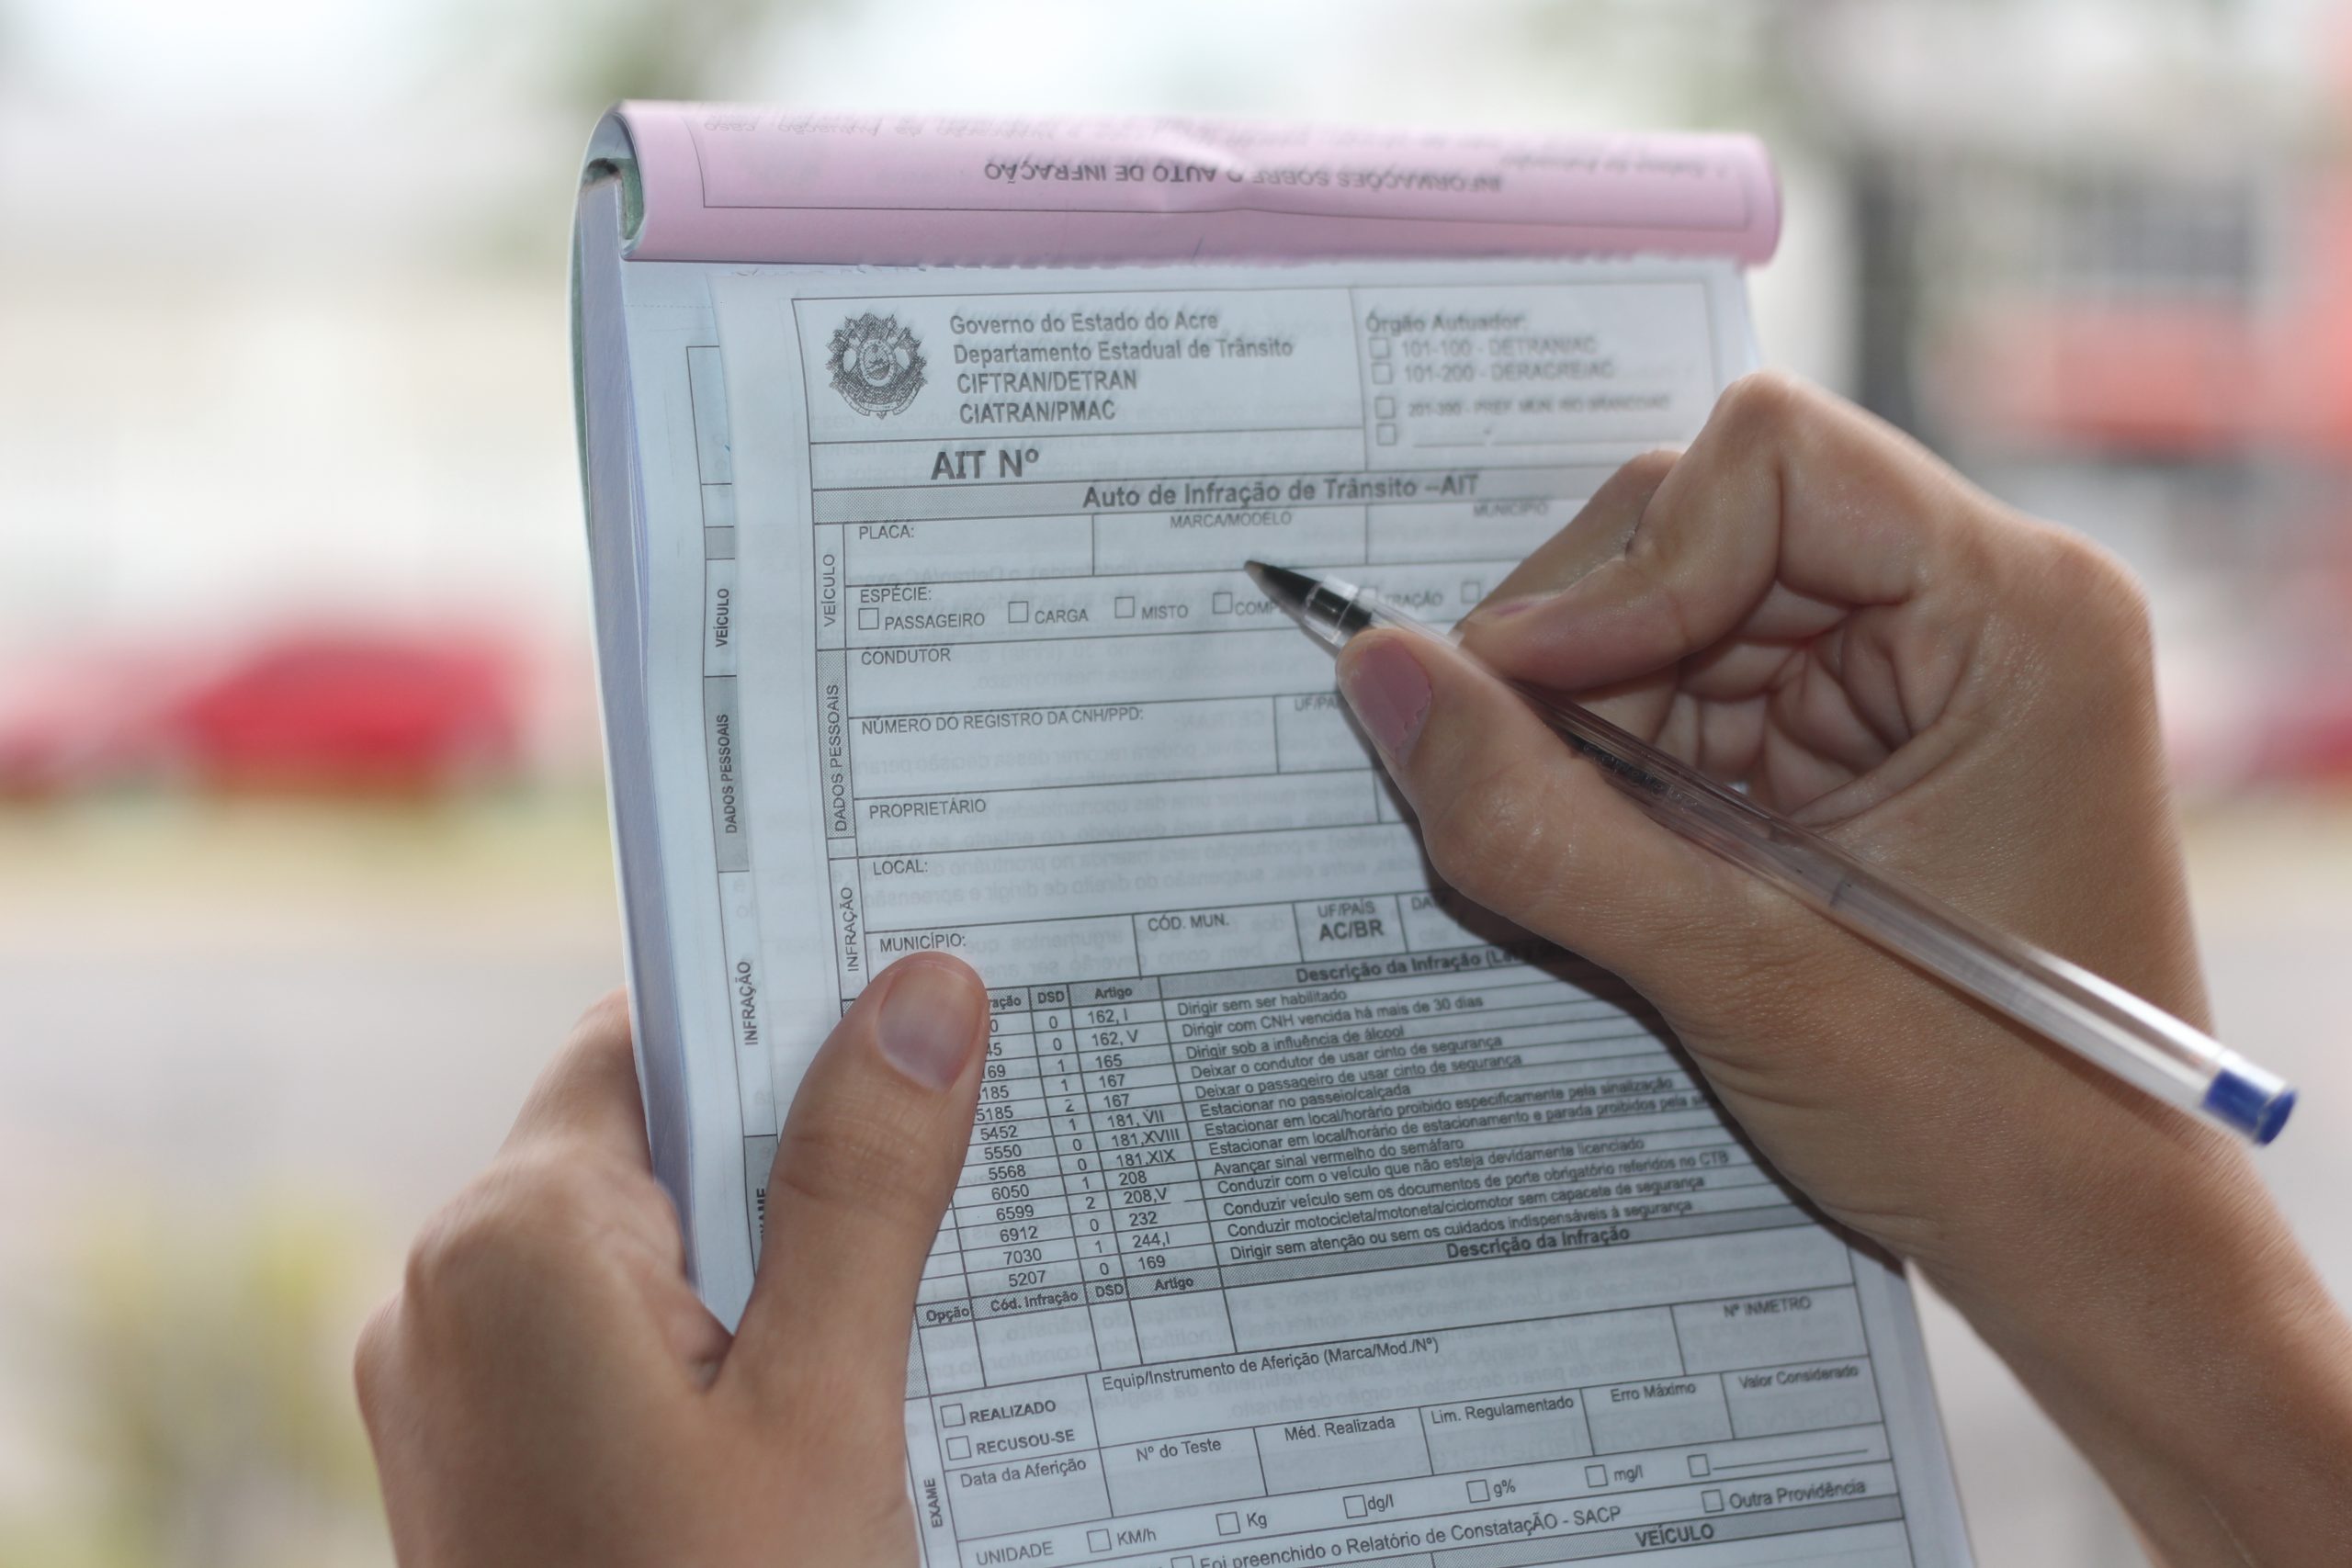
(1886, 290)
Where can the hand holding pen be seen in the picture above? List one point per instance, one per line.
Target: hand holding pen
(1809, 605)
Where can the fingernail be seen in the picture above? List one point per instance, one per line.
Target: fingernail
(930, 1019)
(1390, 694)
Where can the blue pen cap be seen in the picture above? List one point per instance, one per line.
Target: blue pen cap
(2251, 1100)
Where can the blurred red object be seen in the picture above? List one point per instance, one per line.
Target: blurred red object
(333, 712)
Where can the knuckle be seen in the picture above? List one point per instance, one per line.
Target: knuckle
(1763, 405)
(1488, 838)
(514, 1221)
(2101, 593)
(851, 1162)
(371, 1359)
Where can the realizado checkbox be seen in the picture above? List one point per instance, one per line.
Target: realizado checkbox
(951, 1414)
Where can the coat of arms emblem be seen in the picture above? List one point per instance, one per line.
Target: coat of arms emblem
(876, 364)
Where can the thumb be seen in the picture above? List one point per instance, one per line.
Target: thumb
(1521, 825)
(869, 1160)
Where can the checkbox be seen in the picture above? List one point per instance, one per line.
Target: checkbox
(869, 620)
(1124, 606)
(959, 1448)
(1380, 348)
(1382, 374)
(1386, 434)
(1596, 1475)
(1472, 590)
(1016, 610)
(1384, 407)
(1354, 1506)
(1229, 1524)
(1098, 1541)
(1221, 604)
(1480, 1492)
(951, 1414)
(1699, 1465)
(1712, 1501)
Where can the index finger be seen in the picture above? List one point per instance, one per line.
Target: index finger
(589, 1092)
(1788, 500)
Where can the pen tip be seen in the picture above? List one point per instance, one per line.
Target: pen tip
(1280, 583)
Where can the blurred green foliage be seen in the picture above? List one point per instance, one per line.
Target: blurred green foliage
(197, 1378)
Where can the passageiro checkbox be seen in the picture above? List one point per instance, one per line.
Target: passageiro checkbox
(1354, 1506)
(1098, 1541)
(1699, 1465)
(1229, 1524)
(1016, 610)
(959, 1448)
(1712, 1501)
(1479, 1492)
(1596, 1475)
(1124, 606)
(869, 620)
(951, 1414)
(1221, 602)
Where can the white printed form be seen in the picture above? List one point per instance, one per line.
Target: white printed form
(1302, 1223)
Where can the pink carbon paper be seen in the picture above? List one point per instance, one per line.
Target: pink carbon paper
(739, 183)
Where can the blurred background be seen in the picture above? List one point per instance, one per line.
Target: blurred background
(303, 866)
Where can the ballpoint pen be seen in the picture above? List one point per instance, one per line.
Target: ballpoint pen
(2102, 1022)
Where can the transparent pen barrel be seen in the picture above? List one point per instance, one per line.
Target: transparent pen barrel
(2061, 1001)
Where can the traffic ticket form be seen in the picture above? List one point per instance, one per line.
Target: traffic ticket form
(1312, 1216)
